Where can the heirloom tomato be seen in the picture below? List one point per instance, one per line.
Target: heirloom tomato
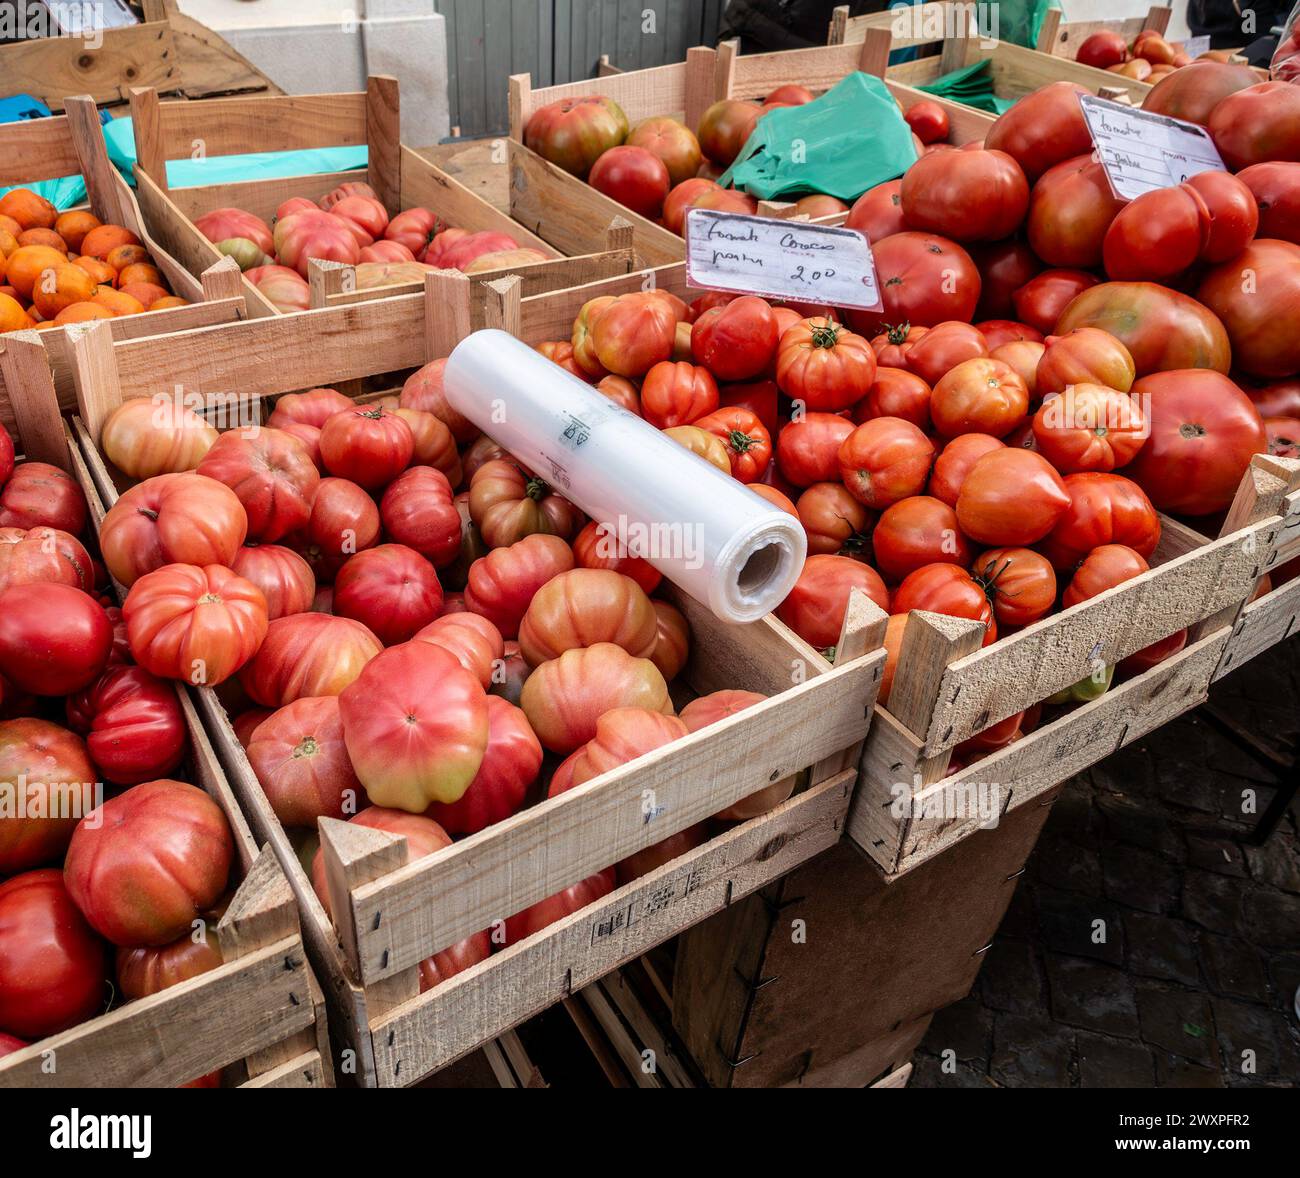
(942, 348)
(1192, 92)
(59, 776)
(627, 336)
(475, 642)
(1020, 583)
(147, 969)
(1257, 125)
(924, 279)
(815, 607)
(634, 176)
(738, 340)
(808, 449)
(307, 654)
(418, 511)
(928, 120)
(1085, 355)
(878, 212)
(574, 132)
(1004, 266)
(583, 607)
(133, 724)
(671, 141)
(1276, 188)
(344, 521)
(1043, 299)
(285, 579)
(508, 503)
(677, 393)
(982, 396)
(503, 582)
(1010, 498)
(835, 523)
(391, 590)
(146, 436)
(1070, 210)
(302, 763)
(1042, 129)
(272, 475)
(369, 445)
(917, 531)
(724, 128)
(672, 639)
(54, 639)
(946, 589)
(598, 546)
(749, 445)
(1103, 568)
(968, 195)
(824, 365)
(1256, 296)
(1104, 509)
(39, 495)
(884, 460)
(546, 912)
(30, 556)
(896, 393)
(424, 390)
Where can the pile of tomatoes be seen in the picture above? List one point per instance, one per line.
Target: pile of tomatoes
(350, 224)
(112, 872)
(1148, 59)
(59, 268)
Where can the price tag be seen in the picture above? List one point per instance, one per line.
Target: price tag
(1142, 151)
(780, 259)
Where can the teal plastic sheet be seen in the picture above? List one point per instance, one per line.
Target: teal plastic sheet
(229, 169)
(64, 193)
(971, 86)
(850, 139)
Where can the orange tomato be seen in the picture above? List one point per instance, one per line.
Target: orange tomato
(168, 301)
(139, 272)
(26, 264)
(81, 312)
(147, 292)
(12, 315)
(74, 226)
(103, 239)
(28, 209)
(98, 269)
(116, 301)
(122, 256)
(61, 287)
(43, 237)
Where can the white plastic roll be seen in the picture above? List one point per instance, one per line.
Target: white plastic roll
(727, 547)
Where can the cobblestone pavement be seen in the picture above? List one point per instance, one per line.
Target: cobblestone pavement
(1150, 944)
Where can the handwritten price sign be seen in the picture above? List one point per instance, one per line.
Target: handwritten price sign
(780, 259)
(1142, 151)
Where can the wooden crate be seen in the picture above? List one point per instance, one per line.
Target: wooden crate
(260, 1015)
(909, 807)
(1017, 71)
(1062, 38)
(224, 126)
(396, 1035)
(67, 145)
(567, 211)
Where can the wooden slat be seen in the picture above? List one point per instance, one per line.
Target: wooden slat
(383, 139)
(452, 1019)
(306, 1071)
(36, 149)
(1274, 618)
(550, 317)
(1063, 38)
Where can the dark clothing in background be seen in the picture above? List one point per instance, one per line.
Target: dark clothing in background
(1221, 20)
(765, 26)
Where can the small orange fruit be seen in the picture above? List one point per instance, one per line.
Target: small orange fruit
(116, 301)
(26, 263)
(103, 239)
(9, 225)
(43, 237)
(147, 292)
(74, 226)
(8, 243)
(12, 315)
(98, 269)
(140, 272)
(122, 256)
(167, 301)
(28, 209)
(80, 313)
(61, 287)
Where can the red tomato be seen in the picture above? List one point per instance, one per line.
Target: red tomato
(1085, 355)
(146, 970)
(564, 697)
(946, 589)
(954, 464)
(749, 445)
(391, 590)
(344, 521)
(893, 345)
(133, 724)
(942, 348)
(1194, 90)
(1157, 236)
(1042, 129)
(684, 196)
(418, 512)
(413, 228)
(52, 965)
(997, 332)
(424, 390)
(1089, 427)
(671, 141)
(1257, 125)
(285, 579)
(148, 861)
(272, 475)
(457, 958)
(1004, 266)
(31, 556)
(369, 445)
(896, 393)
(598, 547)
(58, 773)
(622, 735)
(924, 279)
(300, 759)
(1161, 328)
(546, 912)
(808, 449)
(928, 120)
(1070, 210)
(836, 524)
(1043, 299)
(915, 532)
(171, 519)
(758, 396)
(1255, 296)
(1102, 49)
(1019, 581)
(1011, 498)
(1104, 509)
(39, 495)
(636, 178)
(1104, 567)
(673, 641)
(824, 365)
(677, 394)
(307, 654)
(724, 127)
(54, 639)
(965, 195)
(1279, 399)
(736, 341)
(815, 607)
(508, 503)
(1283, 436)
(6, 456)
(583, 607)
(632, 334)
(573, 132)
(1153, 655)
(502, 583)
(199, 625)
(416, 726)
(476, 643)
(434, 445)
(1234, 214)
(1204, 432)
(979, 396)
(885, 460)
(878, 212)
(1276, 188)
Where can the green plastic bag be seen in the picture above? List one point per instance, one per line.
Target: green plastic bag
(850, 139)
(972, 86)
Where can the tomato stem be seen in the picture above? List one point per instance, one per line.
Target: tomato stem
(536, 489)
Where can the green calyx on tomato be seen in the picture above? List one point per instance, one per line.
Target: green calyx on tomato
(537, 489)
(897, 333)
(741, 442)
(825, 334)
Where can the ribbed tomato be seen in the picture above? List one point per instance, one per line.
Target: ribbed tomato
(896, 393)
(434, 445)
(582, 607)
(954, 464)
(392, 590)
(1086, 355)
(475, 642)
(672, 640)
(736, 341)
(418, 510)
(749, 445)
(133, 724)
(815, 608)
(424, 390)
(59, 775)
(369, 445)
(824, 365)
(598, 546)
(307, 654)
(982, 396)
(273, 476)
(1089, 427)
(1104, 509)
(502, 583)
(40, 495)
(508, 503)
(942, 348)
(808, 448)
(677, 393)
(284, 577)
(717, 706)
(145, 436)
(314, 407)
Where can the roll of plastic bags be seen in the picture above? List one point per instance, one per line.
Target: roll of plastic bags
(717, 540)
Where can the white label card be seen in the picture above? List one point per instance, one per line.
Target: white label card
(1142, 151)
(778, 259)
